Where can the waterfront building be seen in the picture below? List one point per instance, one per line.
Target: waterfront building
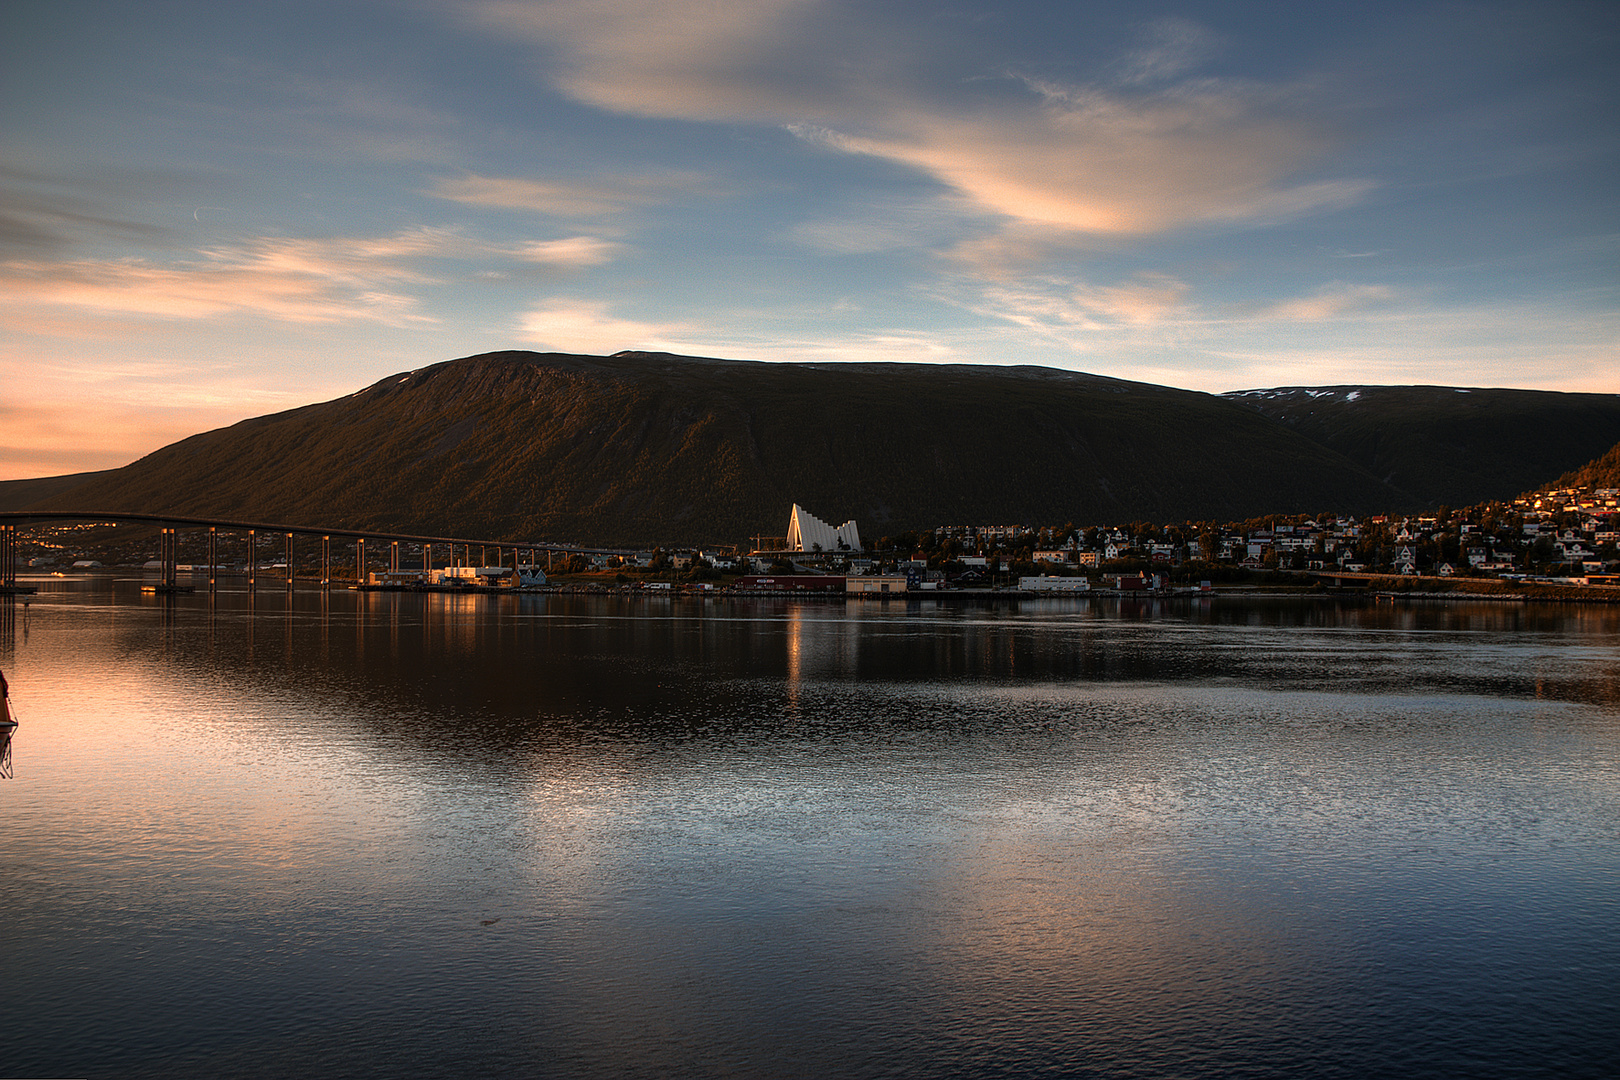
(878, 583)
(806, 532)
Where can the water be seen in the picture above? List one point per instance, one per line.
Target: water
(424, 835)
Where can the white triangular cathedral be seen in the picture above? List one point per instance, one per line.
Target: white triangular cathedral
(806, 532)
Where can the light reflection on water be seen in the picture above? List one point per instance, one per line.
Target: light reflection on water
(382, 834)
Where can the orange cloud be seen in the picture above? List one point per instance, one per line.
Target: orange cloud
(296, 280)
(584, 326)
(268, 284)
(1143, 157)
(1113, 165)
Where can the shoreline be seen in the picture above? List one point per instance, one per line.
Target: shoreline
(1371, 591)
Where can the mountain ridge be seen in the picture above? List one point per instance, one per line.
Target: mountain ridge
(643, 447)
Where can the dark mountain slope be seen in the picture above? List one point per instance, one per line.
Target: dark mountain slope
(646, 448)
(1445, 445)
(1601, 472)
(18, 494)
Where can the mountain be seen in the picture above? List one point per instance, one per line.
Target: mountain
(18, 494)
(1439, 444)
(652, 448)
(645, 448)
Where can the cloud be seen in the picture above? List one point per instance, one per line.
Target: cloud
(302, 280)
(1374, 337)
(1101, 163)
(886, 224)
(1149, 298)
(898, 347)
(1173, 47)
(875, 347)
(40, 214)
(567, 198)
(1333, 301)
(322, 106)
(1129, 159)
(694, 59)
(1005, 254)
(574, 252)
(584, 326)
(1146, 308)
(280, 283)
(1083, 313)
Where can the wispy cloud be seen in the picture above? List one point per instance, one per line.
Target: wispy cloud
(42, 214)
(1171, 48)
(574, 252)
(1106, 164)
(1152, 310)
(1144, 155)
(1147, 307)
(202, 289)
(1333, 301)
(1149, 298)
(301, 280)
(586, 326)
(890, 224)
(894, 346)
(1378, 335)
(568, 198)
(695, 59)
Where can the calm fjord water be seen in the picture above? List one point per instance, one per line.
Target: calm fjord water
(382, 834)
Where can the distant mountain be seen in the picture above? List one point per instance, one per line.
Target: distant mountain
(642, 448)
(1456, 446)
(18, 494)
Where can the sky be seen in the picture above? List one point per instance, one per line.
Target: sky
(210, 211)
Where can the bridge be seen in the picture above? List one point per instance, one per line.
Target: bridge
(13, 522)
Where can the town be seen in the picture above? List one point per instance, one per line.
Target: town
(1562, 538)
(1558, 537)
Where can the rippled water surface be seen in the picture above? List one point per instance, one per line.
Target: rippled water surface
(374, 834)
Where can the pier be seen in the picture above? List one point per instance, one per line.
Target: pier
(8, 561)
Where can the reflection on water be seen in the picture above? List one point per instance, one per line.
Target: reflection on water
(448, 835)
